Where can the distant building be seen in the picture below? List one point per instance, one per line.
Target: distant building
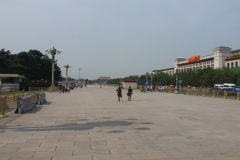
(234, 60)
(103, 79)
(129, 82)
(167, 70)
(221, 57)
(10, 82)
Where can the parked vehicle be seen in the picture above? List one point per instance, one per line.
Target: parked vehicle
(225, 86)
(228, 86)
(237, 89)
(218, 86)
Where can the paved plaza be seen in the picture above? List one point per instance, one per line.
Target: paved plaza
(90, 124)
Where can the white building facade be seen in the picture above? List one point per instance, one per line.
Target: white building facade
(233, 61)
(167, 70)
(221, 57)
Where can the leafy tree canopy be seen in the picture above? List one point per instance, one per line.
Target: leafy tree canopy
(34, 65)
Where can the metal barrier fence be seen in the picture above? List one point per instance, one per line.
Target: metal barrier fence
(25, 103)
(38, 88)
(3, 105)
(10, 99)
(41, 98)
(205, 92)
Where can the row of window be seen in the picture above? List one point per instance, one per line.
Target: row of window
(232, 64)
(198, 65)
(169, 72)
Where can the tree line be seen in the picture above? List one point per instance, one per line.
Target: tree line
(209, 76)
(34, 65)
(198, 78)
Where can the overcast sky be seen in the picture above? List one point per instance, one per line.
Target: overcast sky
(118, 38)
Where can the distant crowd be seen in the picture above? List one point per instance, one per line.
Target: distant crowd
(66, 87)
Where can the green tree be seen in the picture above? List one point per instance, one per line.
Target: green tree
(33, 64)
(5, 61)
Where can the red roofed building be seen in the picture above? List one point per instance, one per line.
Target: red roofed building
(103, 79)
(129, 82)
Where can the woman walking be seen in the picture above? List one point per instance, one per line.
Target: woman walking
(129, 94)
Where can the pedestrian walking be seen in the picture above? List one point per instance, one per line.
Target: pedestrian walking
(68, 88)
(119, 93)
(60, 88)
(63, 88)
(129, 94)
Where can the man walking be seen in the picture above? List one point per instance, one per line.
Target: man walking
(129, 94)
(119, 93)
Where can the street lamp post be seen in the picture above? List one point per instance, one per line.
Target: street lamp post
(176, 88)
(53, 52)
(151, 78)
(79, 69)
(147, 74)
(67, 67)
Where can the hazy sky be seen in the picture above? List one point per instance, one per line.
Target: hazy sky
(118, 38)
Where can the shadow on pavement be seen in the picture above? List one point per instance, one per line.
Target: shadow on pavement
(71, 126)
(34, 110)
(47, 103)
(142, 128)
(38, 108)
(132, 119)
(146, 123)
(116, 131)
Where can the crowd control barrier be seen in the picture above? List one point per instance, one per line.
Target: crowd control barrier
(41, 98)
(3, 105)
(25, 104)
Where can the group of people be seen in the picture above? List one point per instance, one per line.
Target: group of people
(66, 87)
(150, 88)
(129, 93)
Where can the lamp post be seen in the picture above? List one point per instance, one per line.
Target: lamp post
(53, 52)
(79, 69)
(176, 88)
(151, 78)
(67, 67)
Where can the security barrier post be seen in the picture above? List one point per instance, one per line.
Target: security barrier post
(238, 95)
(195, 92)
(214, 94)
(35, 97)
(203, 91)
(2, 106)
(225, 94)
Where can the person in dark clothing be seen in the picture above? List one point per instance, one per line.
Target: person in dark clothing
(63, 88)
(60, 88)
(119, 93)
(129, 94)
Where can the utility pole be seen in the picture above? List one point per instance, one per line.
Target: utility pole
(79, 69)
(176, 87)
(151, 78)
(67, 67)
(147, 74)
(53, 52)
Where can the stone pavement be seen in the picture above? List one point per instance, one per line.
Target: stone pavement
(90, 124)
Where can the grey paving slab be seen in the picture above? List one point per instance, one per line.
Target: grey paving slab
(43, 155)
(90, 123)
(22, 155)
